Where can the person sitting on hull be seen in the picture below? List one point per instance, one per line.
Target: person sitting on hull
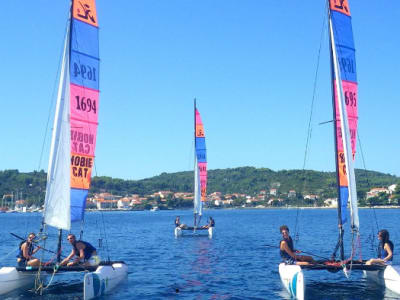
(85, 254)
(211, 223)
(26, 250)
(178, 223)
(385, 250)
(287, 251)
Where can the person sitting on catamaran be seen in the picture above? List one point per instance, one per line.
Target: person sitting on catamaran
(287, 251)
(85, 253)
(211, 223)
(178, 223)
(385, 250)
(26, 250)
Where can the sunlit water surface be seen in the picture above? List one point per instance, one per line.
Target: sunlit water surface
(235, 264)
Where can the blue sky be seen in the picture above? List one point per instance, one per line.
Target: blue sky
(250, 64)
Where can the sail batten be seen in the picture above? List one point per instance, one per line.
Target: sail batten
(200, 184)
(76, 118)
(344, 80)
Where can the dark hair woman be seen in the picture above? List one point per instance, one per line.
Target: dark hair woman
(385, 249)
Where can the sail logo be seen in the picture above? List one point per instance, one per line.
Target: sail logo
(85, 10)
(81, 171)
(340, 6)
(82, 142)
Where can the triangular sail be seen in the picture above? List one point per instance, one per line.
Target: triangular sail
(57, 202)
(79, 102)
(344, 83)
(200, 193)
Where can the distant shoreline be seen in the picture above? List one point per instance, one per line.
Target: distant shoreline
(244, 208)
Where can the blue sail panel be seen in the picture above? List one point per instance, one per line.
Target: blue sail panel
(85, 38)
(344, 196)
(78, 204)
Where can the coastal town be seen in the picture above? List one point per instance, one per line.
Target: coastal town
(165, 199)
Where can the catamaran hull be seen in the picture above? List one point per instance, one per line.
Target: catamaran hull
(103, 280)
(179, 232)
(293, 280)
(11, 280)
(389, 277)
(211, 232)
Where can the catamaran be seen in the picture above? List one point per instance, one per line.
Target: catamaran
(200, 179)
(72, 157)
(345, 103)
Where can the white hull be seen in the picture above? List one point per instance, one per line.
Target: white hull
(103, 280)
(179, 232)
(293, 280)
(389, 277)
(11, 280)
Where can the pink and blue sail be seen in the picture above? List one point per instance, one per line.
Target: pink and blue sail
(340, 19)
(200, 194)
(84, 100)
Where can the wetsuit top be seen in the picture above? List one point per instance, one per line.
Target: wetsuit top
(284, 254)
(383, 253)
(21, 253)
(212, 223)
(87, 252)
(177, 223)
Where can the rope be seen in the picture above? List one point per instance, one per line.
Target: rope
(105, 236)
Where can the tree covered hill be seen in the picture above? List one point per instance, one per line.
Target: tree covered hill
(246, 180)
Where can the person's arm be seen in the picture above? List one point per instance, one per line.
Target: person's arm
(36, 249)
(285, 247)
(65, 260)
(389, 251)
(81, 256)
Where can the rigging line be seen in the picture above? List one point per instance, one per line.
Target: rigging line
(366, 176)
(52, 98)
(309, 129)
(105, 236)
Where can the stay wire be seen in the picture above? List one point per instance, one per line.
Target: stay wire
(366, 176)
(309, 129)
(105, 236)
(52, 98)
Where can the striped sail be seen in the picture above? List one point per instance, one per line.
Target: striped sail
(344, 83)
(75, 125)
(200, 192)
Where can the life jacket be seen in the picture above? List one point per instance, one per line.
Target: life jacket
(285, 256)
(87, 252)
(212, 223)
(21, 253)
(382, 253)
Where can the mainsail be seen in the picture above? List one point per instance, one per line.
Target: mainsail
(75, 124)
(344, 86)
(200, 168)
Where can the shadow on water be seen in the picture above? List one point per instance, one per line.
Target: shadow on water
(344, 289)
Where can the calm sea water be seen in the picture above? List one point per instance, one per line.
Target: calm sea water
(235, 264)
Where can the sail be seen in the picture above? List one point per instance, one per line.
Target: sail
(200, 194)
(344, 83)
(76, 120)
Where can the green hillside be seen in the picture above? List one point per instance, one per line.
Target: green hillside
(245, 180)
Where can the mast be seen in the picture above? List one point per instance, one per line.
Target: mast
(195, 163)
(335, 134)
